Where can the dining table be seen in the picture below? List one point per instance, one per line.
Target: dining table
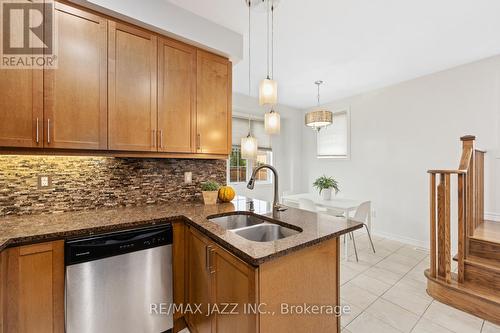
(342, 206)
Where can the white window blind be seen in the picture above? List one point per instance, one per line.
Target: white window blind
(240, 130)
(333, 141)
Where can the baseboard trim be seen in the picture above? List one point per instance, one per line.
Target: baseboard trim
(492, 216)
(402, 239)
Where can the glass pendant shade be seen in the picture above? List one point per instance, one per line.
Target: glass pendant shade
(268, 92)
(272, 122)
(319, 118)
(249, 147)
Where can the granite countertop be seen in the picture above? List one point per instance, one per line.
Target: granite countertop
(20, 230)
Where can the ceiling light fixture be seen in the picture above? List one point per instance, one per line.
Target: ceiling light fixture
(272, 121)
(319, 117)
(268, 88)
(249, 143)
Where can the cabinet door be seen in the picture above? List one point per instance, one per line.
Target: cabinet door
(176, 96)
(199, 282)
(132, 88)
(234, 283)
(75, 94)
(213, 106)
(21, 108)
(179, 265)
(35, 288)
(3, 289)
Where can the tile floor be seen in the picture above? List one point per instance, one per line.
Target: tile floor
(386, 293)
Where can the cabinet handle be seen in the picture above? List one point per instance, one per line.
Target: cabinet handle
(154, 139)
(207, 257)
(37, 130)
(212, 268)
(198, 142)
(209, 252)
(161, 139)
(48, 131)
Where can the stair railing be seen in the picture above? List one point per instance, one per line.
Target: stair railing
(470, 206)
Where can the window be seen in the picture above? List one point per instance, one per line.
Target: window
(333, 141)
(237, 167)
(240, 170)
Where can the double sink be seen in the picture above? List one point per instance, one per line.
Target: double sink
(253, 227)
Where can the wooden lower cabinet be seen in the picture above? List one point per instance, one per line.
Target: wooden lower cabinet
(218, 278)
(179, 269)
(32, 288)
(234, 288)
(3, 289)
(199, 287)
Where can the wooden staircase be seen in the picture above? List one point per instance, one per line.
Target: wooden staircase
(475, 287)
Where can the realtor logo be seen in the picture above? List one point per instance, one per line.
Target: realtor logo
(27, 34)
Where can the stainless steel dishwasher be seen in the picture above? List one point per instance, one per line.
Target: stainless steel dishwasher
(117, 282)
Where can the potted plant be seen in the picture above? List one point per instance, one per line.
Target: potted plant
(325, 185)
(210, 190)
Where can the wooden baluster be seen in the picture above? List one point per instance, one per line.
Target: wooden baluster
(444, 254)
(471, 226)
(433, 224)
(479, 187)
(467, 163)
(461, 226)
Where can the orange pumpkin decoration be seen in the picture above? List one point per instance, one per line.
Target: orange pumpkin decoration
(226, 193)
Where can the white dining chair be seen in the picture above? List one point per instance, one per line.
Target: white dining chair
(339, 213)
(361, 215)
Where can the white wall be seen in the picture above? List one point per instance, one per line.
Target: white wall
(171, 20)
(399, 132)
(286, 148)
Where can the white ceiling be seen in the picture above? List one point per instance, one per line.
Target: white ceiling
(356, 45)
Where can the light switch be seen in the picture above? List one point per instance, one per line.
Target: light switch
(188, 177)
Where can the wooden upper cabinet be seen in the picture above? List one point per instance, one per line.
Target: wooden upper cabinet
(132, 72)
(213, 104)
(75, 94)
(21, 108)
(119, 87)
(34, 288)
(176, 96)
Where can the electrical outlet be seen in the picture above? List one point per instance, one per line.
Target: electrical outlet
(44, 182)
(188, 177)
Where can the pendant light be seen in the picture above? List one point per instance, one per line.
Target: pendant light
(272, 122)
(272, 118)
(319, 117)
(268, 88)
(249, 143)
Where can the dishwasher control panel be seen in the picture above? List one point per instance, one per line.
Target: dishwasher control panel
(112, 244)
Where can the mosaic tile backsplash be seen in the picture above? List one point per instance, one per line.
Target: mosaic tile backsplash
(82, 183)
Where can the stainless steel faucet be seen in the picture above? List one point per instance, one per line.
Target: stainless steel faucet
(251, 184)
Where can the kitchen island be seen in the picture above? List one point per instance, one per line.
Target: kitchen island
(288, 284)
